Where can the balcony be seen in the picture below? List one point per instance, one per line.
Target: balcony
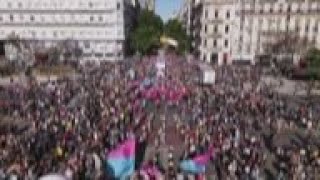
(264, 12)
(211, 35)
(214, 21)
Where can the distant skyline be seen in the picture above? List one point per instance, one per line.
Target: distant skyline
(166, 8)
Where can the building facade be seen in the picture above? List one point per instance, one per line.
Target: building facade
(98, 27)
(147, 4)
(240, 30)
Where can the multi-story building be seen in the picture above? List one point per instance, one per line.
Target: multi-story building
(184, 14)
(147, 4)
(98, 27)
(196, 11)
(236, 30)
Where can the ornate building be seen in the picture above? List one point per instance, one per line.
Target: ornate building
(98, 27)
(237, 30)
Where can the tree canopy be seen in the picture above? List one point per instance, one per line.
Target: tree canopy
(313, 63)
(147, 33)
(174, 29)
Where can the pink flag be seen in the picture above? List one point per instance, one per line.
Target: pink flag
(127, 150)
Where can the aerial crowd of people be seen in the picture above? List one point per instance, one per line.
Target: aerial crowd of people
(68, 126)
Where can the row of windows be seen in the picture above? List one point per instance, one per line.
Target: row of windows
(288, 9)
(261, 11)
(55, 5)
(307, 28)
(13, 18)
(216, 14)
(215, 44)
(57, 34)
(226, 29)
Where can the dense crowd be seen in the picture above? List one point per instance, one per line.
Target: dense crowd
(72, 123)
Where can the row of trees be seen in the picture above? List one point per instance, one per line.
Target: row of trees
(145, 38)
(288, 45)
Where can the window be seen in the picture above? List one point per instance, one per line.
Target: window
(280, 8)
(205, 28)
(33, 33)
(226, 43)
(271, 10)
(42, 19)
(315, 29)
(215, 43)
(118, 6)
(1, 18)
(261, 10)
(91, 18)
(205, 43)
(32, 18)
(288, 18)
(9, 5)
(100, 18)
(307, 28)
(297, 28)
(206, 13)
(108, 54)
(11, 17)
(227, 29)
(90, 4)
(289, 8)
(98, 55)
(87, 44)
(298, 9)
(309, 8)
(216, 14)
(228, 14)
(216, 28)
(55, 34)
(20, 5)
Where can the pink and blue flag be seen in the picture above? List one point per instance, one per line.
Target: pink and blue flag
(196, 165)
(121, 161)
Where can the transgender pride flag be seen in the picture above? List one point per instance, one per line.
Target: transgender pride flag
(121, 161)
(196, 165)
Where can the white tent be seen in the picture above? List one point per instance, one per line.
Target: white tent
(208, 74)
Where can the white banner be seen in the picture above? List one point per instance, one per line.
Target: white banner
(209, 77)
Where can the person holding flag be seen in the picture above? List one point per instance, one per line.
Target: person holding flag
(197, 165)
(121, 161)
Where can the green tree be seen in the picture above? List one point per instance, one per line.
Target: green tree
(313, 57)
(146, 36)
(313, 68)
(174, 29)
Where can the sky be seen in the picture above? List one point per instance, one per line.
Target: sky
(165, 8)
